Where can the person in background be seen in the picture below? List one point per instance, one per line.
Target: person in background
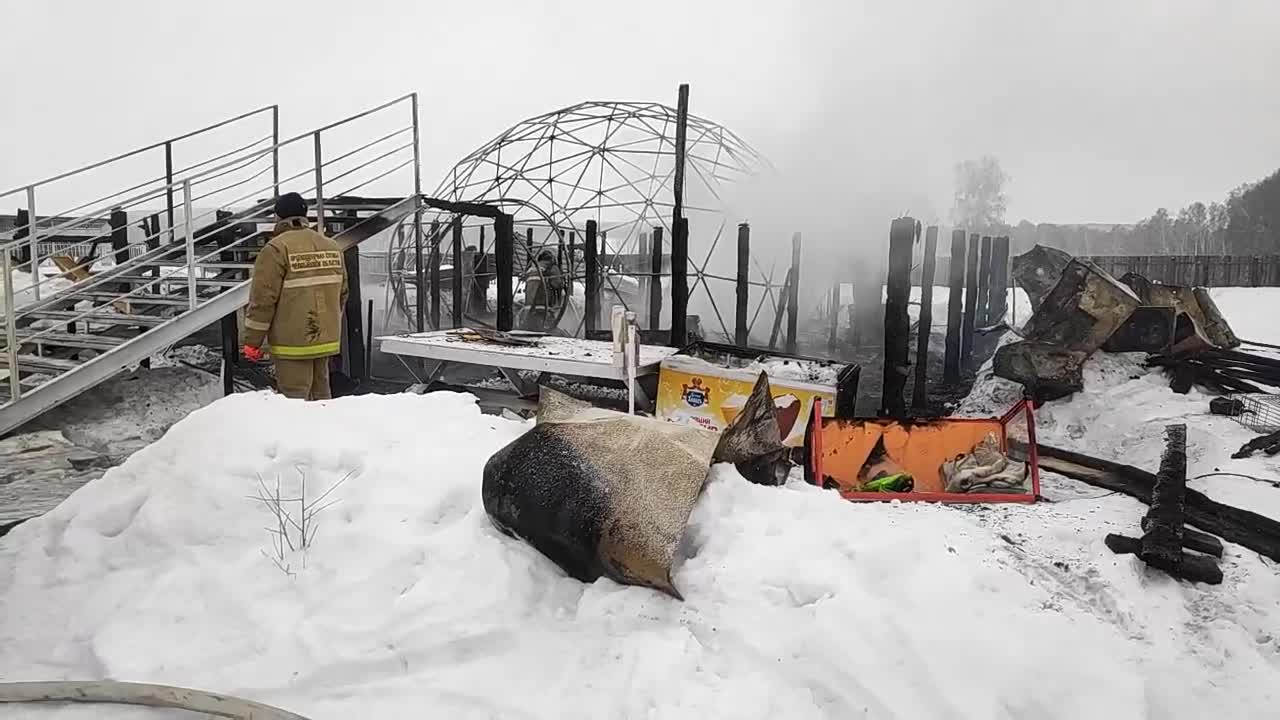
(543, 290)
(295, 303)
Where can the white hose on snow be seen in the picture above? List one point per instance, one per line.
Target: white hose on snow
(127, 693)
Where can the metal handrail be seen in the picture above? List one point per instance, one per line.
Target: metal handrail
(176, 184)
(191, 265)
(139, 151)
(90, 283)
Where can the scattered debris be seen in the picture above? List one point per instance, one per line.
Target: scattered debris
(1163, 539)
(1038, 270)
(1231, 407)
(1243, 527)
(1079, 309)
(984, 470)
(1047, 371)
(1269, 444)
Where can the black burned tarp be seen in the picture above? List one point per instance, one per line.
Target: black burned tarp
(1077, 316)
(603, 493)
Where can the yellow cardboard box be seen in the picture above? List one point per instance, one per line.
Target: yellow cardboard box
(695, 392)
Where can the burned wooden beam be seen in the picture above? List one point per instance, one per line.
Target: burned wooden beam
(920, 390)
(970, 303)
(955, 300)
(1162, 542)
(1256, 532)
(897, 323)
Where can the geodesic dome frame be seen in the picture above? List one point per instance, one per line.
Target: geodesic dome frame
(612, 162)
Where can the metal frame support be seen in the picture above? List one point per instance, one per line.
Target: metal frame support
(417, 231)
(11, 328)
(189, 235)
(319, 182)
(433, 266)
(793, 295)
(33, 237)
(655, 281)
(275, 150)
(591, 283)
(742, 286)
(168, 188)
(457, 271)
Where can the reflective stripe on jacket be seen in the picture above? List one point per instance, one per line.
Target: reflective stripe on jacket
(298, 292)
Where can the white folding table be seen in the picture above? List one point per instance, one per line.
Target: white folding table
(551, 354)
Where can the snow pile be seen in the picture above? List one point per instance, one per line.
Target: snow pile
(798, 604)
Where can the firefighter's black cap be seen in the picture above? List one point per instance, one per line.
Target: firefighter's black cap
(290, 205)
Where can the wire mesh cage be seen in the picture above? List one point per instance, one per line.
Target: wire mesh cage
(1256, 411)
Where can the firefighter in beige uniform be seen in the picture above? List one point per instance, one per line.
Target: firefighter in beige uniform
(295, 303)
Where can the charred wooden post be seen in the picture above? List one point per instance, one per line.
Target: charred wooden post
(793, 295)
(230, 351)
(741, 331)
(680, 283)
(504, 251)
(591, 284)
(833, 320)
(984, 283)
(680, 228)
(999, 295)
(920, 391)
(970, 303)
(897, 323)
(419, 275)
(1164, 536)
(655, 280)
(1243, 527)
(1162, 543)
(573, 263)
(456, 271)
(644, 277)
(780, 310)
(955, 300)
(433, 264)
(153, 243)
(351, 317)
(120, 242)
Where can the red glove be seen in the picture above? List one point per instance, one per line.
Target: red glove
(252, 353)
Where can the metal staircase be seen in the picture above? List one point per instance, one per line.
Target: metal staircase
(74, 318)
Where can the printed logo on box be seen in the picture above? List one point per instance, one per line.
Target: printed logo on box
(696, 395)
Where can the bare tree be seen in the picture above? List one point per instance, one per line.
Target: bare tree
(980, 200)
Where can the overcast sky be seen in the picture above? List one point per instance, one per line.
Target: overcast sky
(1101, 111)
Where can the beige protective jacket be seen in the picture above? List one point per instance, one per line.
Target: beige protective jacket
(298, 292)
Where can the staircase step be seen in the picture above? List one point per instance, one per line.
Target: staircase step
(212, 265)
(105, 317)
(138, 299)
(207, 282)
(87, 341)
(36, 363)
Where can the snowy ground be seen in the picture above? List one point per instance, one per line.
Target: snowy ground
(798, 604)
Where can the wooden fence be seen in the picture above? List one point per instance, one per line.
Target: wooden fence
(1201, 270)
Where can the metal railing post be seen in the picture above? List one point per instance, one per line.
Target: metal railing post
(34, 239)
(417, 227)
(11, 328)
(319, 184)
(168, 190)
(275, 149)
(191, 244)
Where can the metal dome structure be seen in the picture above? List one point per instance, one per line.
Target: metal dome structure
(609, 161)
(612, 162)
